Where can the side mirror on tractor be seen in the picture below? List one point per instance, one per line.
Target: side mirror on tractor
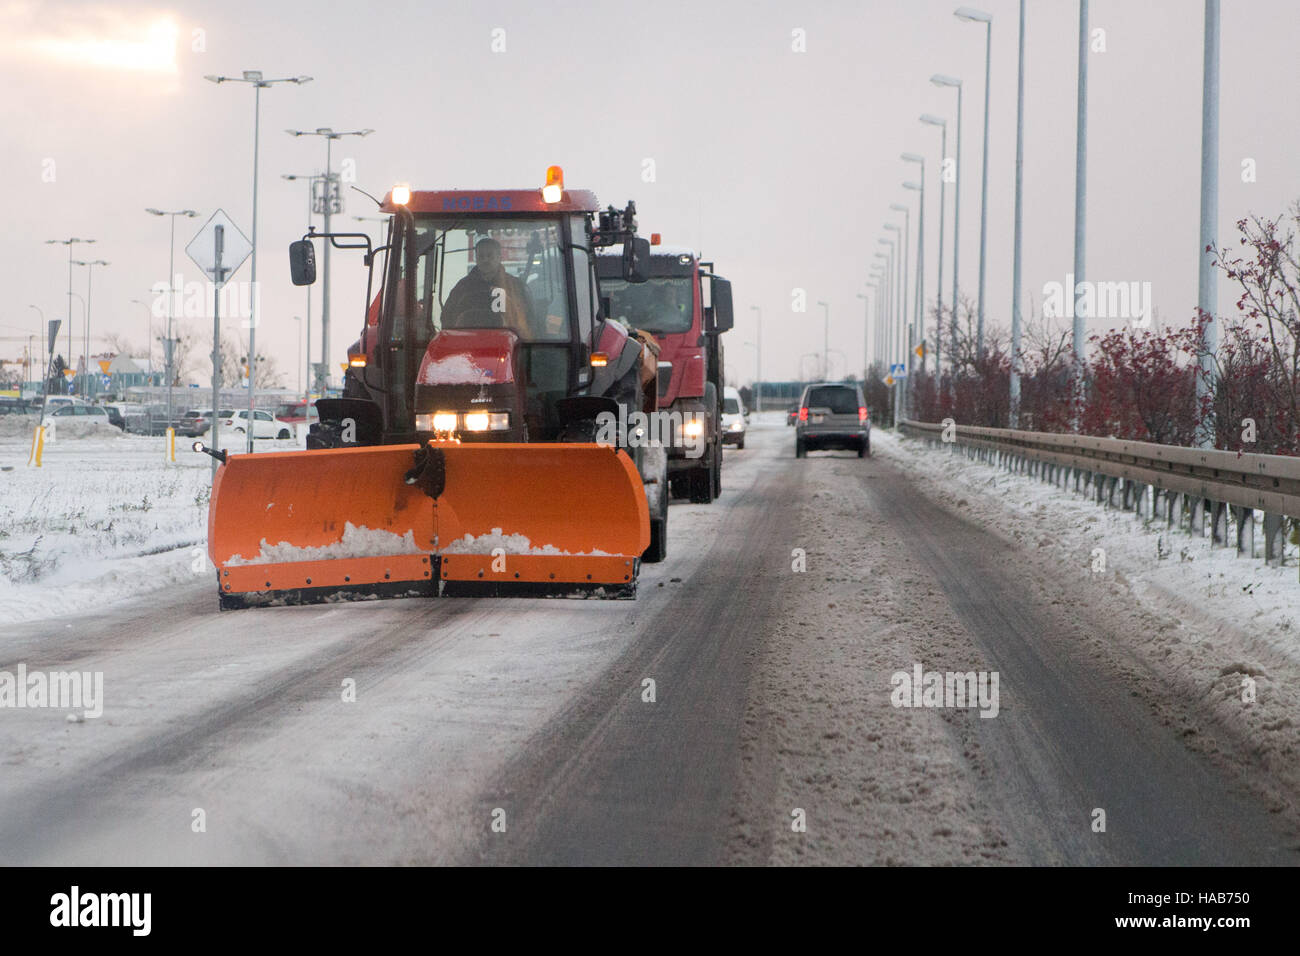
(302, 262)
(718, 316)
(636, 259)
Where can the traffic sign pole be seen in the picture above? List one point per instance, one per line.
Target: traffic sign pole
(218, 240)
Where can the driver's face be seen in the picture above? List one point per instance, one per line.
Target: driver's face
(489, 259)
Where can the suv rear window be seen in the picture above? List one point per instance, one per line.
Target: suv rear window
(840, 399)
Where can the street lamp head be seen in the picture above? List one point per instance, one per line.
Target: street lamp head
(912, 158)
(188, 213)
(932, 120)
(253, 76)
(881, 255)
(155, 212)
(213, 78)
(898, 207)
(863, 295)
(300, 79)
(324, 131)
(916, 187)
(892, 227)
(971, 15)
(940, 79)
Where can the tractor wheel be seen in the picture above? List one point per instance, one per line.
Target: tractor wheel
(717, 471)
(658, 549)
(702, 485)
(284, 433)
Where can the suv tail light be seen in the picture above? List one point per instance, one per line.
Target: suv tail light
(862, 414)
(803, 413)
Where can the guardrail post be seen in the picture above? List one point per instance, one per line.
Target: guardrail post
(1273, 541)
(1218, 523)
(1245, 518)
(1196, 519)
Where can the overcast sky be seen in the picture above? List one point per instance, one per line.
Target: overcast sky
(779, 165)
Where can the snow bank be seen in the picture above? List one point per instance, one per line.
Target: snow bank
(510, 544)
(357, 542)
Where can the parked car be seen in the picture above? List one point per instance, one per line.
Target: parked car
(197, 421)
(733, 418)
(791, 414)
(59, 401)
(296, 414)
(264, 424)
(832, 415)
(93, 414)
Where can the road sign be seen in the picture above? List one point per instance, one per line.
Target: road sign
(898, 370)
(54, 333)
(105, 380)
(219, 241)
(889, 380)
(69, 374)
(920, 350)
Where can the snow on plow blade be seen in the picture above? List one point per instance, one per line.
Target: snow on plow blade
(540, 515)
(301, 525)
(290, 527)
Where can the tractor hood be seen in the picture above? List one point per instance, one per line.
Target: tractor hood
(470, 357)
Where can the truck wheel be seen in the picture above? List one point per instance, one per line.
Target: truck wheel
(284, 433)
(740, 445)
(717, 472)
(658, 549)
(800, 449)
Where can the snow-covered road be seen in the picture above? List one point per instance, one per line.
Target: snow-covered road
(521, 730)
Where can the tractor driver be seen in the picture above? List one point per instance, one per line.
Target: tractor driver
(489, 296)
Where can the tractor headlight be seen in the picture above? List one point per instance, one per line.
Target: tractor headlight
(423, 422)
(693, 428)
(444, 421)
(476, 421)
(499, 421)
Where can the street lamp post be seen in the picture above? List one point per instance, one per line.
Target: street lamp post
(940, 80)
(902, 288)
(79, 298)
(866, 325)
(1207, 285)
(758, 388)
(88, 386)
(918, 307)
(69, 243)
(169, 344)
(311, 180)
(329, 135)
(826, 340)
(971, 15)
(943, 186)
(253, 77)
(1014, 397)
(1080, 208)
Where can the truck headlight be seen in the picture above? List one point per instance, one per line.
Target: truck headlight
(499, 421)
(476, 421)
(693, 428)
(423, 422)
(444, 421)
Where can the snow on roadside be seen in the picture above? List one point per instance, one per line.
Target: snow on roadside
(1237, 619)
(103, 519)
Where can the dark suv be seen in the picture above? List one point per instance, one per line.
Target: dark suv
(832, 415)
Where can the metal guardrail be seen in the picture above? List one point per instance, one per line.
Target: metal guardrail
(1188, 482)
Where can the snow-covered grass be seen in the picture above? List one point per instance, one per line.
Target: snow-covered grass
(104, 518)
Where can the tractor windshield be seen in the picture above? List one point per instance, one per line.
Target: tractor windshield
(656, 305)
(491, 274)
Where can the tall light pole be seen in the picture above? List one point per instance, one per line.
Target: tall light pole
(866, 325)
(90, 272)
(940, 80)
(943, 152)
(69, 243)
(311, 179)
(84, 325)
(1080, 209)
(971, 15)
(298, 336)
(876, 277)
(148, 333)
(256, 80)
(329, 135)
(918, 306)
(172, 291)
(1207, 285)
(758, 389)
(44, 337)
(1014, 402)
(826, 341)
(902, 288)
(889, 311)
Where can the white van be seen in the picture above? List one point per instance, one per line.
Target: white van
(733, 418)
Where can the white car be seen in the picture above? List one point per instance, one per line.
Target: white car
(91, 414)
(264, 424)
(733, 418)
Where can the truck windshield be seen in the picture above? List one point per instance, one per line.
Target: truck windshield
(656, 305)
(489, 274)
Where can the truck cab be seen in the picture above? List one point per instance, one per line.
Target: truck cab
(687, 308)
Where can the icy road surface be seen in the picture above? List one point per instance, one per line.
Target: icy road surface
(527, 731)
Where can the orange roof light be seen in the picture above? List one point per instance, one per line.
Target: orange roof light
(599, 359)
(553, 191)
(401, 194)
(357, 360)
(655, 239)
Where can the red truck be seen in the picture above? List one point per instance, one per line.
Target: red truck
(676, 305)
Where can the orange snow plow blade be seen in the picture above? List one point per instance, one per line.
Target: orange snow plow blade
(295, 525)
(541, 514)
(289, 527)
